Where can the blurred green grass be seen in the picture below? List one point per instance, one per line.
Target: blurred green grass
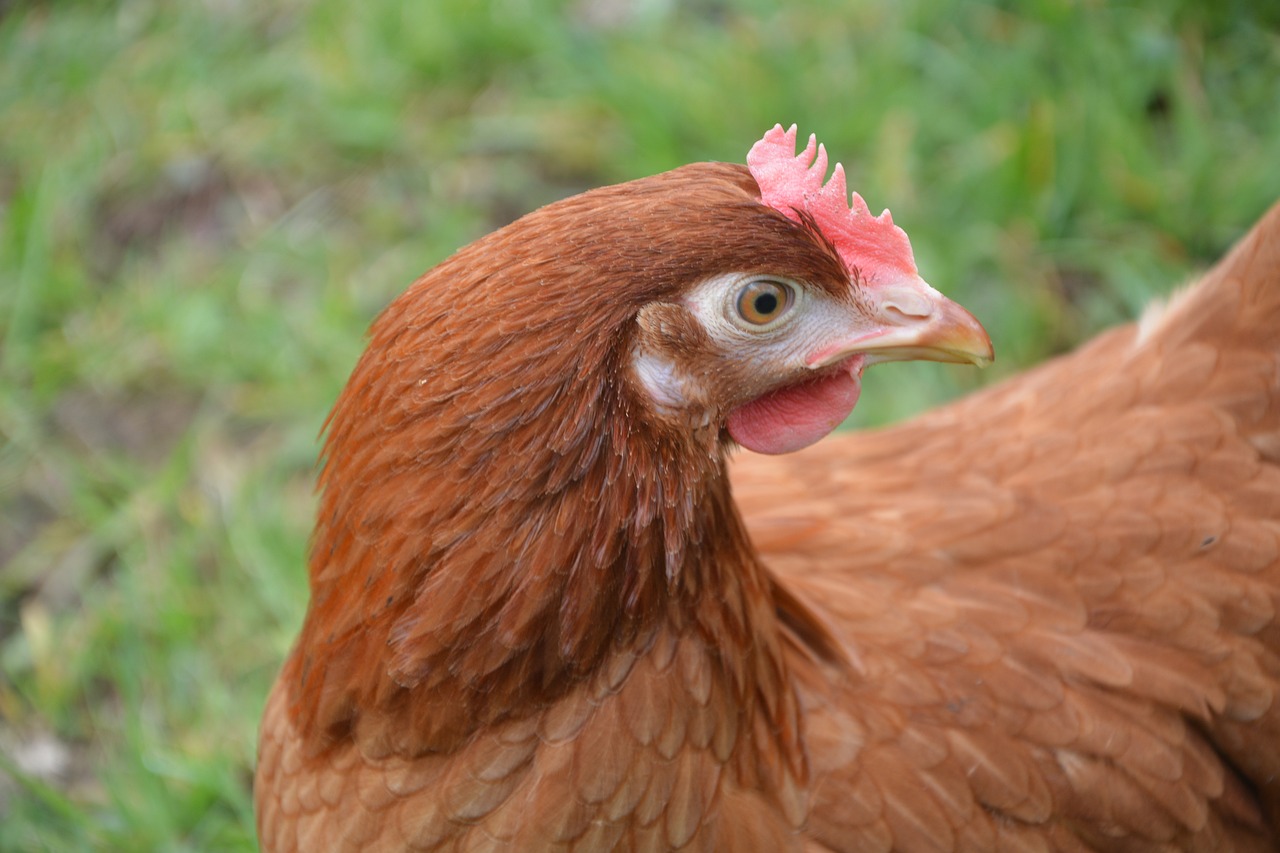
(203, 204)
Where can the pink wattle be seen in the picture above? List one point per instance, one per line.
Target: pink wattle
(796, 416)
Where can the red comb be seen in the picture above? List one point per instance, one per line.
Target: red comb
(792, 184)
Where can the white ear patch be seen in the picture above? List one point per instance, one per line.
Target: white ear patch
(669, 388)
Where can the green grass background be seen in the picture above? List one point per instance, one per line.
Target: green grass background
(203, 204)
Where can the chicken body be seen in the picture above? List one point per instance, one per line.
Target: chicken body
(1042, 618)
(1058, 597)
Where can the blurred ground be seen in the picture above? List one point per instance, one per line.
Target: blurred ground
(203, 204)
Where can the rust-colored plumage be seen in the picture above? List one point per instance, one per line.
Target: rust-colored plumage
(1041, 618)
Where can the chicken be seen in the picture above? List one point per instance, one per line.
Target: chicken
(547, 613)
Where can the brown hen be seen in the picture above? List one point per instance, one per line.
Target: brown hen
(1043, 618)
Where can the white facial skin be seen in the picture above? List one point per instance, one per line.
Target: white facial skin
(776, 344)
(806, 320)
(668, 386)
(760, 334)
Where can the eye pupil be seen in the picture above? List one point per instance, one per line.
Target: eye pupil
(766, 303)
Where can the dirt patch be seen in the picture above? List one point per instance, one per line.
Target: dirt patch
(40, 549)
(143, 426)
(196, 199)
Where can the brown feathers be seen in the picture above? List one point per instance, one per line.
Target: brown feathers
(1074, 577)
(1044, 618)
(495, 514)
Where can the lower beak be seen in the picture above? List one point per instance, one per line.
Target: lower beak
(913, 321)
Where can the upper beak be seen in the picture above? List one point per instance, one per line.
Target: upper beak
(911, 320)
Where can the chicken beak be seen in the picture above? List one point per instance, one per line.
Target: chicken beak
(910, 321)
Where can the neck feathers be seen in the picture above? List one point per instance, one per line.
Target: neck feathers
(498, 513)
(481, 550)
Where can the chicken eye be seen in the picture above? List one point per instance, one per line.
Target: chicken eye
(762, 301)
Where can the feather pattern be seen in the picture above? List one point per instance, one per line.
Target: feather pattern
(1076, 582)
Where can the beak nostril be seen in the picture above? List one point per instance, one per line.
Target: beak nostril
(906, 306)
